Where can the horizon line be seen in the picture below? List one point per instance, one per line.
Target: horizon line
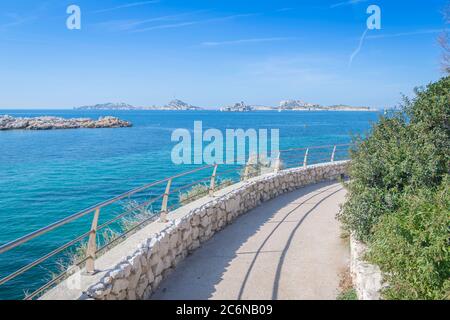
(275, 108)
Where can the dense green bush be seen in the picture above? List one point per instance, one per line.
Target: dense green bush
(412, 246)
(408, 150)
(398, 200)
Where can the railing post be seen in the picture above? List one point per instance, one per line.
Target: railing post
(305, 160)
(333, 154)
(247, 167)
(165, 201)
(92, 244)
(278, 163)
(212, 186)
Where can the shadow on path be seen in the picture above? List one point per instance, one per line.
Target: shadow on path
(278, 224)
(198, 276)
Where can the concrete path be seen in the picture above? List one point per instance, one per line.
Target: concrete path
(289, 248)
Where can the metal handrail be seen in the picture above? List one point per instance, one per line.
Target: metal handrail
(188, 199)
(53, 281)
(183, 187)
(92, 249)
(37, 233)
(317, 147)
(42, 259)
(123, 214)
(13, 244)
(235, 170)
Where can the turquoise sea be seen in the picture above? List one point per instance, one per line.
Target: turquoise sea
(48, 175)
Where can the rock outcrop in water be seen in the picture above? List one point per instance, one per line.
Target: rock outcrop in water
(238, 107)
(52, 123)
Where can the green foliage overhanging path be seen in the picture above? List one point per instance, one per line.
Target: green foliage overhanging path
(399, 195)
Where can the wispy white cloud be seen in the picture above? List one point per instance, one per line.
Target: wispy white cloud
(347, 3)
(167, 26)
(403, 34)
(128, 5)
(305, 69)
(116, 25)
(193, 22)
(244, 41)
(129, 25)
(16, 20)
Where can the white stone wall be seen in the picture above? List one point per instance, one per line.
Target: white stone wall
(367, 278)
(136, 274)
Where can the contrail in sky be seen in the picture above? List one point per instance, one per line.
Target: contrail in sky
(355, 53)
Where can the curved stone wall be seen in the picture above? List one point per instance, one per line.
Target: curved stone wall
(135, 268)
(367, 278)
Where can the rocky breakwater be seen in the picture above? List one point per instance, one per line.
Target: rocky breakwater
(53, 123)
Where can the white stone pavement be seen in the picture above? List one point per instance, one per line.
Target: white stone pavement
(288, 248)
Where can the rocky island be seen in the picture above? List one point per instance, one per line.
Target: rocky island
(108, 106)
(179, 105)
(291, 105)
(53, 123)
(174, 105)
(238, 107)
(298, 105)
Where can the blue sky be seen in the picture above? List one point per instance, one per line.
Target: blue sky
(212, 53)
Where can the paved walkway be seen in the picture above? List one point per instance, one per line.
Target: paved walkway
(289, 248)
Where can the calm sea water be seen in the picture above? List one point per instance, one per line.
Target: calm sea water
(48, 175)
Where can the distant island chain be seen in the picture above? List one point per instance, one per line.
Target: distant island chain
(178, 105)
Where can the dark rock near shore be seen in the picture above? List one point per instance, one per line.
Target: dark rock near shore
(53, 123)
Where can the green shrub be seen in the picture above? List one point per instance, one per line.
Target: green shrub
(349, 294)
(257, 167)
(74, 255)
(412, 246)
(398, 200)
(200, 190)
(196, 192)
(403, 152)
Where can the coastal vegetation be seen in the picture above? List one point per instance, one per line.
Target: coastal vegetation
(347, 291)
(200, 190)
(399, 202)
(256, 168)
(349, 294)
(137, 216)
